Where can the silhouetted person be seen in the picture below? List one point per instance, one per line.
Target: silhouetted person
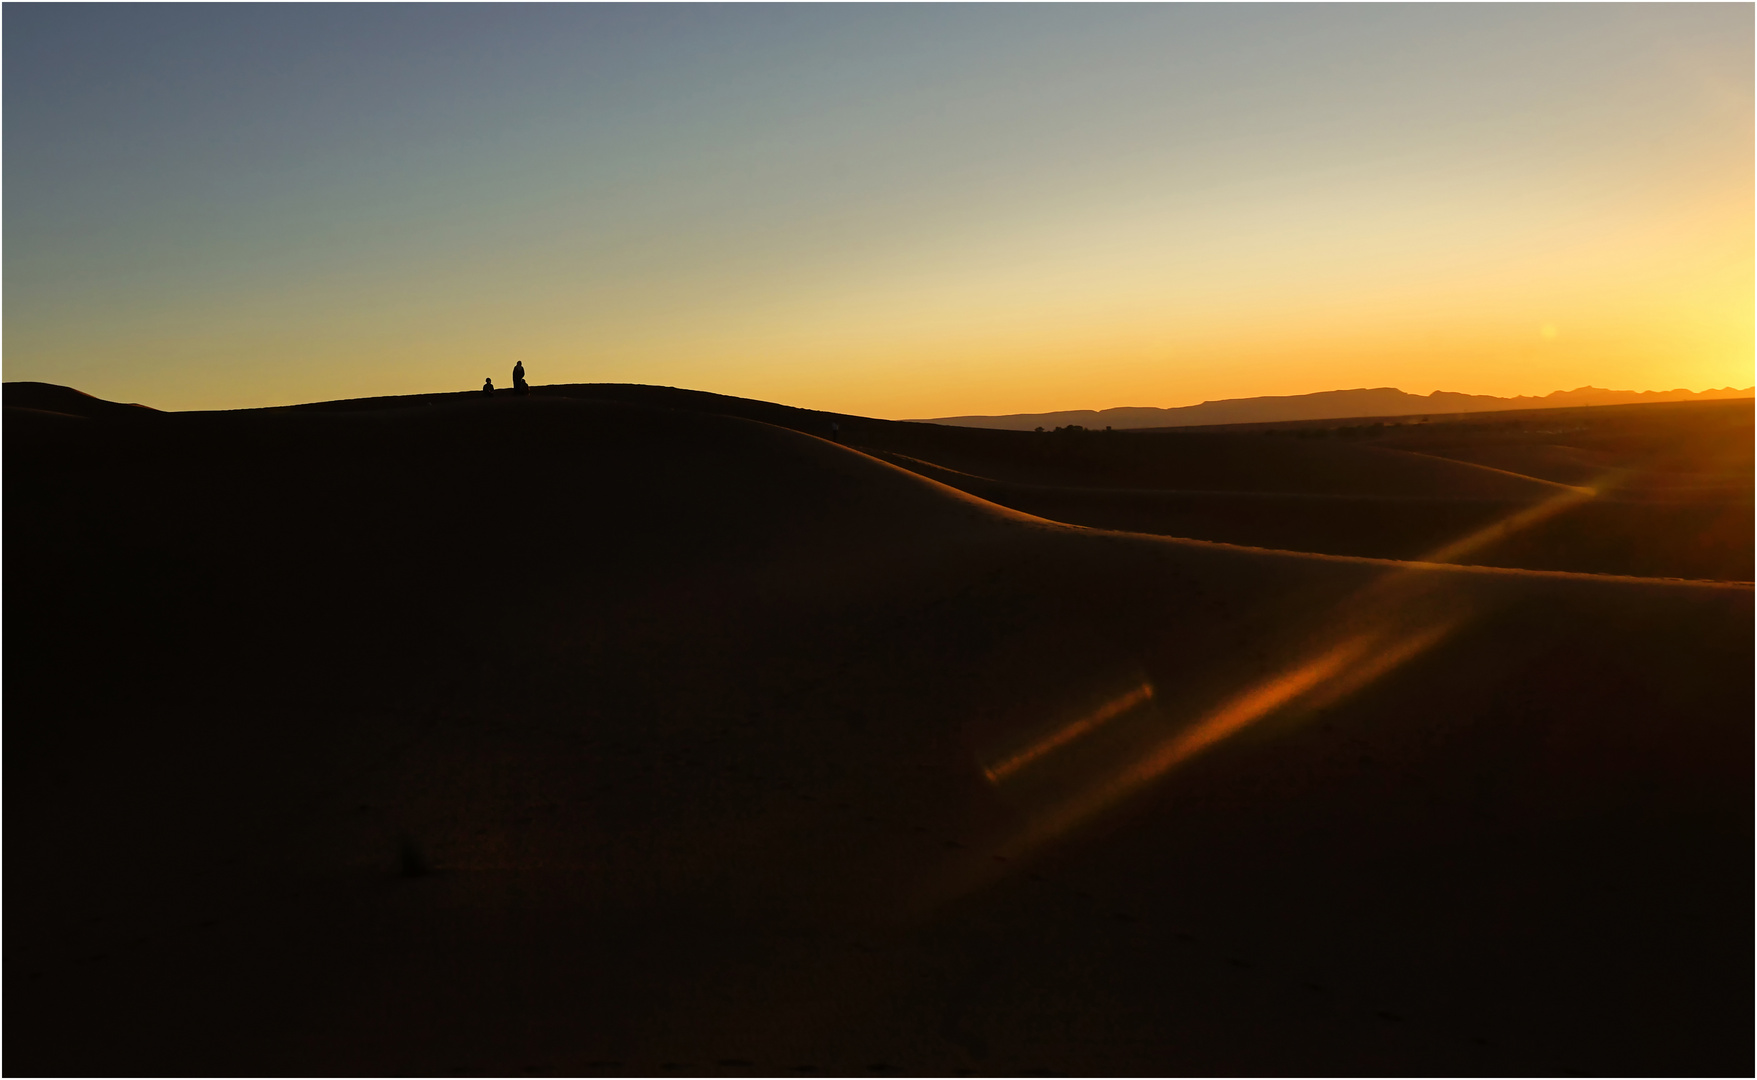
(835, 432)
(518, 377)
(488, 387)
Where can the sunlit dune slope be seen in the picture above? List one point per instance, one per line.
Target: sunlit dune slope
(1389, 490)
(1698, 533)
(1180, 460)
(1648, 451)
(1671, 483)
(571, 736)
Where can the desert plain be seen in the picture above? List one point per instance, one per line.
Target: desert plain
(629, 730)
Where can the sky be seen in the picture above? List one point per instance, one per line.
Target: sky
(891, 210)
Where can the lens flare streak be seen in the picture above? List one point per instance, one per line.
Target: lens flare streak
(1069, 732)
(1383, 626)
(1244, 709)
(1311, 683)
(1511, 524)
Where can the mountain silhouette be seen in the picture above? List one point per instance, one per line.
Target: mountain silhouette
(1383, 401)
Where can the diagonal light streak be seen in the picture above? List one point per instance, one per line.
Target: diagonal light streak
(1383, 626)
(1068, 733)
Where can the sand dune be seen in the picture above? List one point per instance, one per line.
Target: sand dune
(574, 735)
(66, 401)
(1672, 482)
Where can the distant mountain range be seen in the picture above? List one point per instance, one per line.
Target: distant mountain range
(1328, 405)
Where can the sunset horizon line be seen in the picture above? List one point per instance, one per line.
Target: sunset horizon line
(1729, 392)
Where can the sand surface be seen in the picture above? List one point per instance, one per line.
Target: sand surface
(616, 730)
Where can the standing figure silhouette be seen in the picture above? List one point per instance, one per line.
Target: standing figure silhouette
(518, 377)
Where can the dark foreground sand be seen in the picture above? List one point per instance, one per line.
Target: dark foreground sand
(563, 735)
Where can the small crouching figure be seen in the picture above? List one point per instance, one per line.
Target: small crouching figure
(487, 387)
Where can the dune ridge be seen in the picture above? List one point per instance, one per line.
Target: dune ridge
(591, 736)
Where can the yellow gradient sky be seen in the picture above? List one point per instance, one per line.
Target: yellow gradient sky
(895, 211)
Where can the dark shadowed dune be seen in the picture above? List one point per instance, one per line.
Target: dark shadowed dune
(628, 734)
(66, 401)
(1672, 481)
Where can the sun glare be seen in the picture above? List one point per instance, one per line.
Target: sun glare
(1404, 614)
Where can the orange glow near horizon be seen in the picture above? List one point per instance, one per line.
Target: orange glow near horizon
(979, 337)
(892, 212)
